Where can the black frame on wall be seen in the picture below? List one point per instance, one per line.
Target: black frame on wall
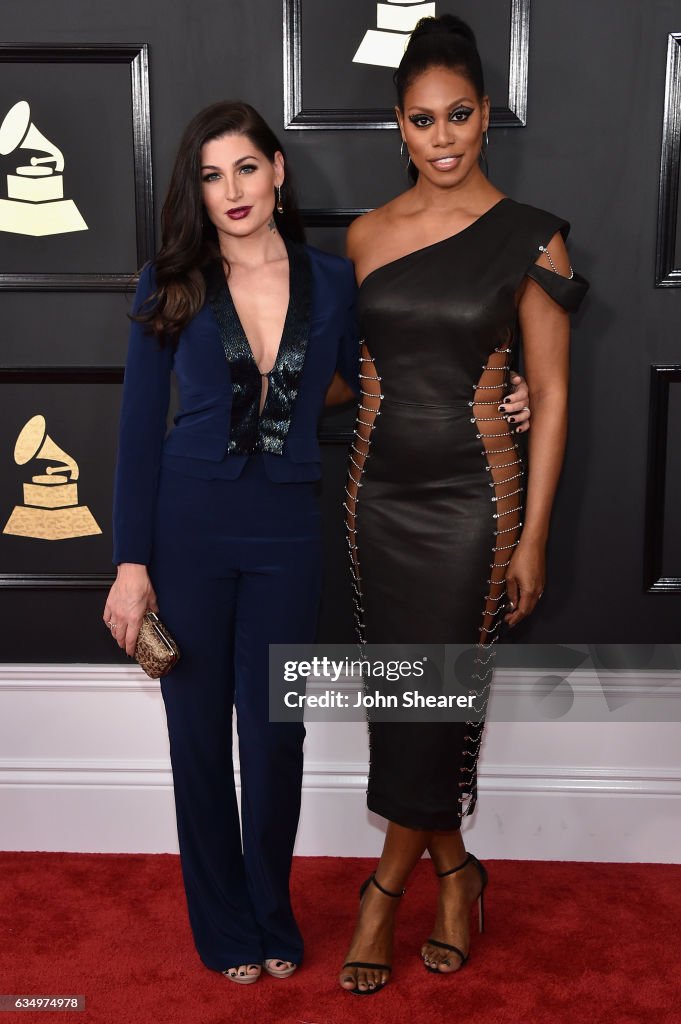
(137, 57)
(57, 375)
(655, 581)
(331, 217)
(513, 115)
(667, 275)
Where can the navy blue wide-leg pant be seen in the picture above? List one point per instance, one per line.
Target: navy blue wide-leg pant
(236, 566)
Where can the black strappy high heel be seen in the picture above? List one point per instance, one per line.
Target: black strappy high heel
(484, 878)
(362, 963)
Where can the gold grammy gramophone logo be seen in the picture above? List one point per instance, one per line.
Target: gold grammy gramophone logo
(396, 20)
(35, 203)
(50, 510)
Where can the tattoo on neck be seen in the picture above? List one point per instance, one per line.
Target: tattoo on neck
(271, 225)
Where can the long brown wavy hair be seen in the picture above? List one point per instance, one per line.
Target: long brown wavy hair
(189, 239)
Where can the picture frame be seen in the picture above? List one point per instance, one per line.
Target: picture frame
(668, 257)
(100, 149)
(659, 485)
(302, 115)
(56, 535)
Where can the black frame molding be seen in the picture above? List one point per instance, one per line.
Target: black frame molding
(331, 216)
(70, 375)
(512, 115)
(667, 275)
(137, 57)
(654, 581)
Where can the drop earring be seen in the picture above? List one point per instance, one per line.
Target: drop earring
(280, 205)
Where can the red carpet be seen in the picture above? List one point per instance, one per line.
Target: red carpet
(565, 943)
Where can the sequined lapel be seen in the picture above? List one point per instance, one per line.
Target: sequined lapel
(250, 430)
(285, 375)
(244, 373)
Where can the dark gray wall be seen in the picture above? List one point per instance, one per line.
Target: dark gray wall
(590, 152)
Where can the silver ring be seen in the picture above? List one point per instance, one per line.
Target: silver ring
(112, 626)
(526, 408)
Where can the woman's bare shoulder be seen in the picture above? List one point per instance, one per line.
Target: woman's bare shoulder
(360, 229)
(367, 233)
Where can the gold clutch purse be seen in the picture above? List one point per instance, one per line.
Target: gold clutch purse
(156, 651)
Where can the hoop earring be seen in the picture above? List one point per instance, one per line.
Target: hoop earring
(483, 154)
(280, 205)
(409, 160)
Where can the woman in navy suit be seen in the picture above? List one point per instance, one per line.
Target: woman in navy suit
(217, 524)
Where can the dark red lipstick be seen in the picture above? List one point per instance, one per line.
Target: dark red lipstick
(239, 212)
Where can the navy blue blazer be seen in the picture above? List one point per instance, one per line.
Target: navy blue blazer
(218, 425)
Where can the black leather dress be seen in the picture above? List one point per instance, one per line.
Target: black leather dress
(439, 512)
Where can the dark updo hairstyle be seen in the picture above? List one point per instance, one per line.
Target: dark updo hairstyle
(189, 239)
(445, 42)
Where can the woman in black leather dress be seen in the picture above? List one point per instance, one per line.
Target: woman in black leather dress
(451, 273)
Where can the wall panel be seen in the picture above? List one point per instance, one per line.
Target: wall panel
(590, 150)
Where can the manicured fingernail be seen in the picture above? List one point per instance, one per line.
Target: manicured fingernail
(518, 430)
(511, 419)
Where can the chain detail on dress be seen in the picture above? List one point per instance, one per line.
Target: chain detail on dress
(495, 603)
(362, 436)
(554, 268)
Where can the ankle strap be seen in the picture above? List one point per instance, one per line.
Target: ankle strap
(395, 895)
(452, 871)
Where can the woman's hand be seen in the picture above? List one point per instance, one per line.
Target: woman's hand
(516, 405)
(129, 598)
(525, 579)
(339, 392)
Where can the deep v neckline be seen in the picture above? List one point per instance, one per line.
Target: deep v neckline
(253, 428)
(243, 337)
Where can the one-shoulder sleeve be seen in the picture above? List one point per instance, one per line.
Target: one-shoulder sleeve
(144, 408)
(568, 292)
(347, 361)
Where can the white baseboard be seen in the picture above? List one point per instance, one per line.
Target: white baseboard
(84, 767)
